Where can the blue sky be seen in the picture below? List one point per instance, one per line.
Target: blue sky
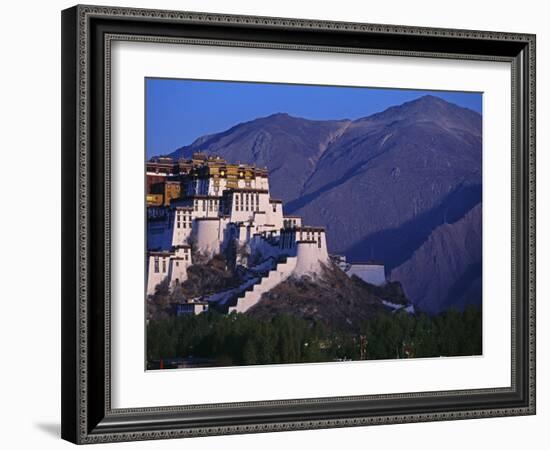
(180, 111)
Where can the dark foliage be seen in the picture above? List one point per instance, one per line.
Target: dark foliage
(451, 333)
(238, 339)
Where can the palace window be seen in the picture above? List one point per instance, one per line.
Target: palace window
(274, 207)
(178, 224)
(163, 266)
(156, 264)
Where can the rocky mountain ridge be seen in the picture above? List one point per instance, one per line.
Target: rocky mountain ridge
(381, 185)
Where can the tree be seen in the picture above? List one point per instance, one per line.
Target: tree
(237, 339)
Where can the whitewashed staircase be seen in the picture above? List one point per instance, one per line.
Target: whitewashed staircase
(252, 295)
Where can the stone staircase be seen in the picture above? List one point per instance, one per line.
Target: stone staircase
(249, 297)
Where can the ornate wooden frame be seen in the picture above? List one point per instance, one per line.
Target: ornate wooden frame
(87, 33)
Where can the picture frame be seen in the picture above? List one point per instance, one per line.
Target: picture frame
(87, 363)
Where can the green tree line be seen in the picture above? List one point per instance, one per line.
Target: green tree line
(451, 333)
(237, 339)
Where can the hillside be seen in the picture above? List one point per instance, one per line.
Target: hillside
(339, 302)
(452, 255)
(381, 185)
(333, 299)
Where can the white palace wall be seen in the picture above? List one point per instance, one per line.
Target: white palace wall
(309, 258)
(158, 270)
(371, 273)
(208, 234)
(247, 214)
(183, 219)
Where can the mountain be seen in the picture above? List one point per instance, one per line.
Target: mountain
(452, 256)
(289, 146)
(380, 185)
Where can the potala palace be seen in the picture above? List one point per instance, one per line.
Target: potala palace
(204, 206)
